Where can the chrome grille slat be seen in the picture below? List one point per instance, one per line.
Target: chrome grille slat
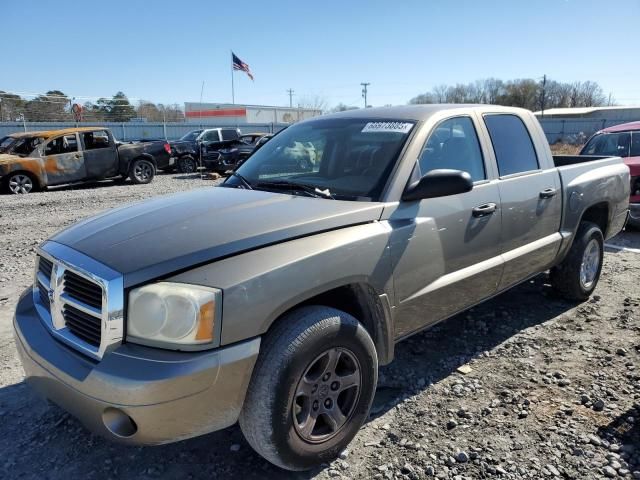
(45, 266)
(84, 290)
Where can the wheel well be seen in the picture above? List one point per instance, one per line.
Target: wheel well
(598, 214)
(31, 175)
(362, 302)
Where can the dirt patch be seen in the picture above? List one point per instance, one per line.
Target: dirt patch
(551, 388)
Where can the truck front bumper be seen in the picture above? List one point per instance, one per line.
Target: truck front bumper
(634, 215)
(135, 394)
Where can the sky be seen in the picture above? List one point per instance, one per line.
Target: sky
(162, 50)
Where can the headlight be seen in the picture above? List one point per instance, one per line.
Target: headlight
(173, 315)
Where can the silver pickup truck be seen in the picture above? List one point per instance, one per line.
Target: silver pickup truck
(273, 299)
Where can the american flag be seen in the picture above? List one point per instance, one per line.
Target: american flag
(240, 65)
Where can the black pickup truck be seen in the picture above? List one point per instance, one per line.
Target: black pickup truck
(33, 160)
(213, 147)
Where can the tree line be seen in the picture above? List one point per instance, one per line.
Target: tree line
(525, 93)
(55, 105)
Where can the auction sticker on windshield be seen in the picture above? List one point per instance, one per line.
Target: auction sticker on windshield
(400, 127)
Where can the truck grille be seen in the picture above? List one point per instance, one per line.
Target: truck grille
(79, 288)
(79, 300)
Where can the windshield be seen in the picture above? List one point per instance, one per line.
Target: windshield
(5, 143)
(615, 144)
(191, 136)
(23, 146)
(348, 158)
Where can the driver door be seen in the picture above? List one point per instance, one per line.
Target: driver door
(446, 250)
(63, 160)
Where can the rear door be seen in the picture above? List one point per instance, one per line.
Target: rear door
(100, 154)
(63, 160)
(531, 199)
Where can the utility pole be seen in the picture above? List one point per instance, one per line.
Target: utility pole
(544, 84)
(609, 102)
(364, 92)
(290, 92)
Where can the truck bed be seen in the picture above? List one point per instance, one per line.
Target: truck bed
(564, 160)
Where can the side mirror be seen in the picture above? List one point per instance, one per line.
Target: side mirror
(438, 183)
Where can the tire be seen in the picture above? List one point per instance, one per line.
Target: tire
(142, 171)
(187, 164)
(21, 183)
(306, 343)
(577, 276)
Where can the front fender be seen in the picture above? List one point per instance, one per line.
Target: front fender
(27, 164)
(260, 285)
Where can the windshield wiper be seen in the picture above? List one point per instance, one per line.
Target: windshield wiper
(293, 186)
(244, 181)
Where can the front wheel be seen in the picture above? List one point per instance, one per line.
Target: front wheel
(311, 388)
(20, 183)
(142, 171)
(578, 274)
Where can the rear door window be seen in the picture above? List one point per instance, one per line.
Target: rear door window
(229, 134)
(512, 144)
(64, 144)
(95, 140)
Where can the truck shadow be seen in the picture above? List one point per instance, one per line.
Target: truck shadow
(625, 432)
(30, 427)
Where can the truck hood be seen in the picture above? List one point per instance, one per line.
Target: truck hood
(171, 233)
(634, 165)
(6, 159)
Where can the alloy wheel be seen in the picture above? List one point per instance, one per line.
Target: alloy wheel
(326, 395)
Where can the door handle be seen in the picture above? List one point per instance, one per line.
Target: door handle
(484, 210)
(548, 193)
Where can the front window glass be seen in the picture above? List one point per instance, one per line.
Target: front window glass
(454, 145)
(614, 144)
(210, 136)
(347, 158)
(191, 136)
(60, 145)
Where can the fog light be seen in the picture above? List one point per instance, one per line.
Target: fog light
(119, 423)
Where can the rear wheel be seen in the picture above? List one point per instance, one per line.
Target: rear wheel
(142, 171)
(578, 274)
(20, 183)
(187, 164)
(311, 388)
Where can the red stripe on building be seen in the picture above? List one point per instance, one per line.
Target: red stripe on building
(218, 112)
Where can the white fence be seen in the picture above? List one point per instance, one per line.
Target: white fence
(133, 131)
(556, 130)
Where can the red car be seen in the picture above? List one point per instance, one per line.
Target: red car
(624, 141)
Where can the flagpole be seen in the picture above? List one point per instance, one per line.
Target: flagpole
(233, 95)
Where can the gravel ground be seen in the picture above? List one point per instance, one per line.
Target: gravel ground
(526, 385)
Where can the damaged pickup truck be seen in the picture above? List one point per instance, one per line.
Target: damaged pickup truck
(273, 299)
(36, 160)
